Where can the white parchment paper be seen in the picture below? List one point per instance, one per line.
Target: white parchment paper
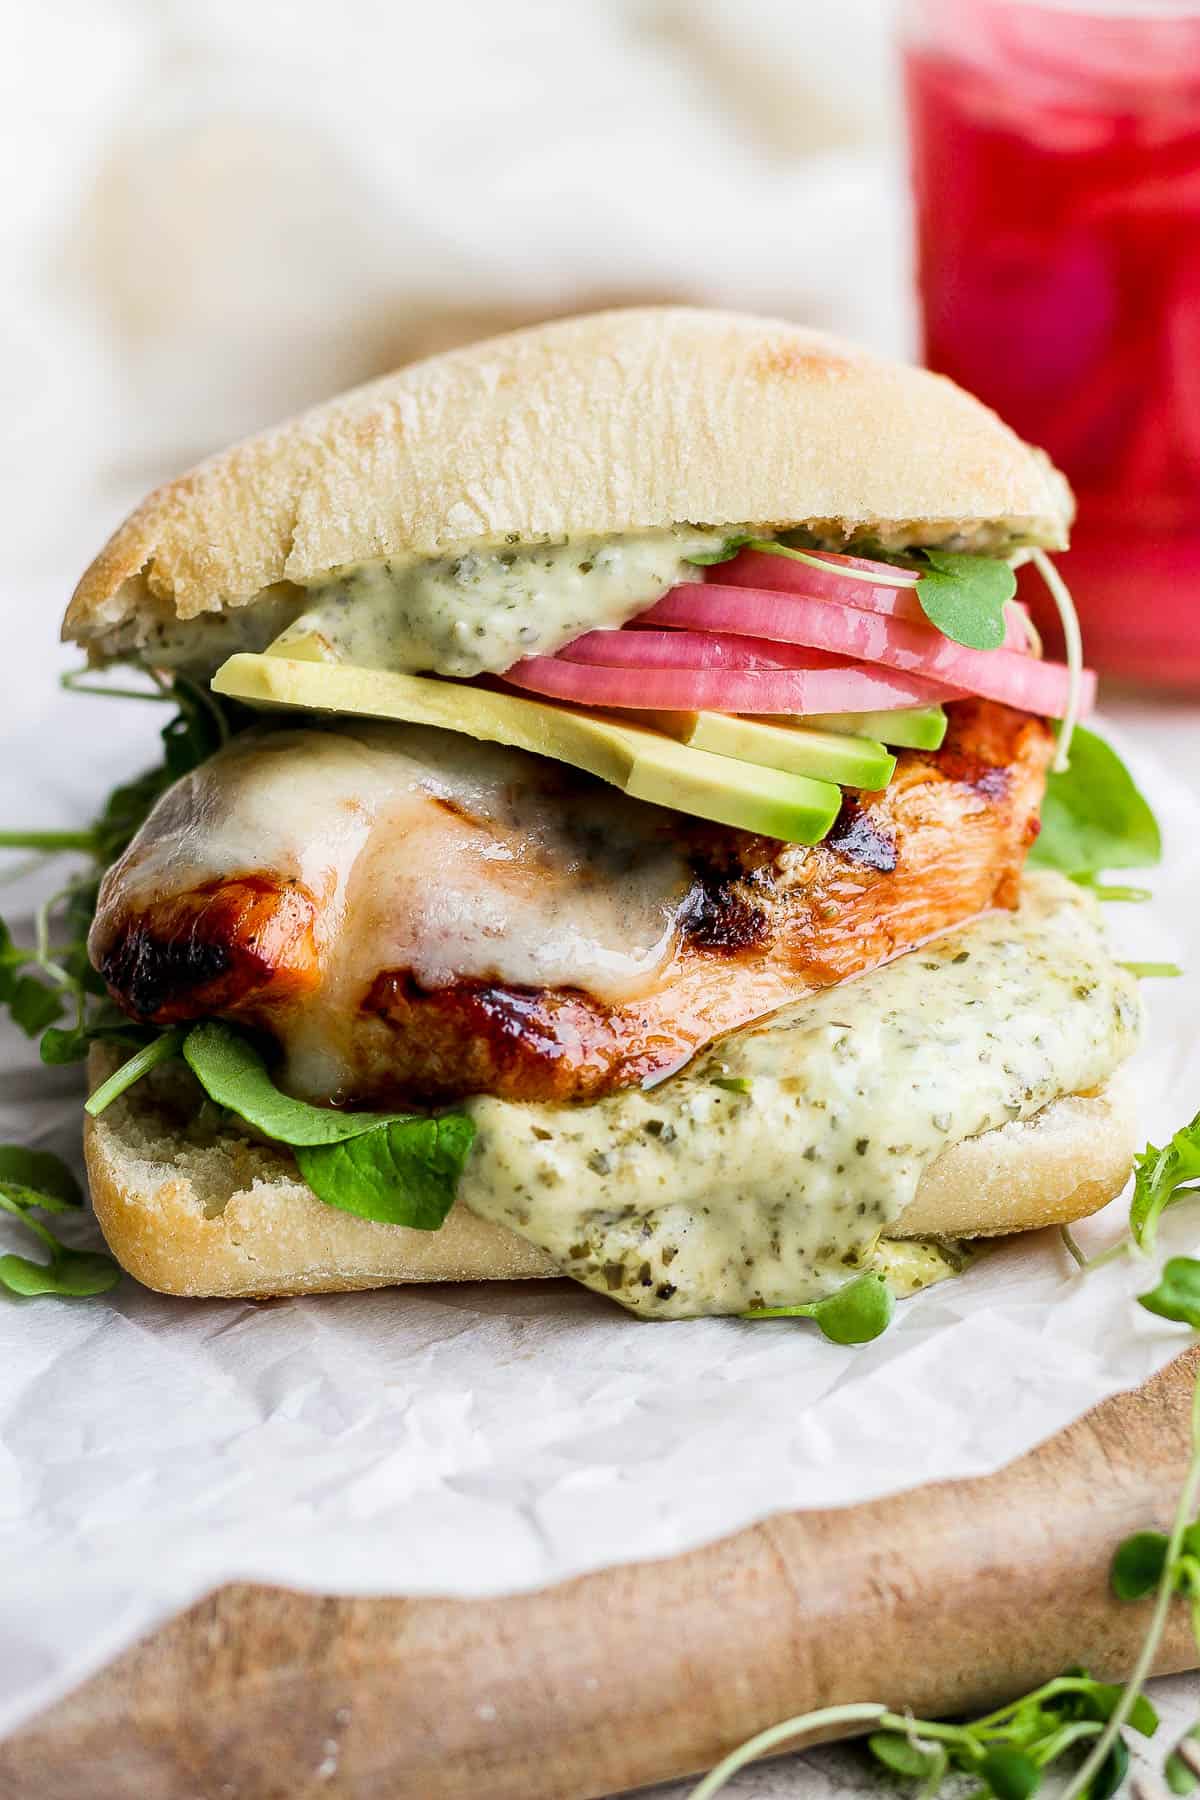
(488, 1438)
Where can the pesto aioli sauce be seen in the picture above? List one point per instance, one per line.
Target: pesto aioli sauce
(483, 610)
(697, 1197)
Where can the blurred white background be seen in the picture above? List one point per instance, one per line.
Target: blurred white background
(216, 211)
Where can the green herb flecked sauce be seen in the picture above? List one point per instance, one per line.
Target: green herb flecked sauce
(764, 1173)
(481, 611)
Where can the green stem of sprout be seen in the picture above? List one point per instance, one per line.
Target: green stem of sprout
(31, 1224)
(1073, 639)
(49, 842)
(75, 681)
(1115, 892)
(139, 1064)
(1158, 1621)
(1085, 1262)
(863, 1713)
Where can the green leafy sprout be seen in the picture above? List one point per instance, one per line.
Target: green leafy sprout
(854, 1314)
(33, 1182)
(965, 597)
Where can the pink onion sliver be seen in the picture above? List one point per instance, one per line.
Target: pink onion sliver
(867, 565)
(843, 689)
(1014, 680)
(692, 650)
(759, 570)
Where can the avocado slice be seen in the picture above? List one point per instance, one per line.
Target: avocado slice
(826, 755)
(645, 763)
(909, 727)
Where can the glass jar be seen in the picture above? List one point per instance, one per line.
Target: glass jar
(1056, 174)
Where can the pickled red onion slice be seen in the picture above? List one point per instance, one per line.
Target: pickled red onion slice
(764, 571)
(692, 650)
(1003, 675)
(865, 565)
(847, 688)
(760, 569)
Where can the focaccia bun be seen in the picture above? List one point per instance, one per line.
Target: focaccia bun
(222, 1216)
(612, 422)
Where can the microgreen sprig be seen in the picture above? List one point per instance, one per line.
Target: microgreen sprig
(1005, 1750)
(855, 1313)
(31, 1182)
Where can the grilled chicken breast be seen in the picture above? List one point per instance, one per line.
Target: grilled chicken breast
(413, 916)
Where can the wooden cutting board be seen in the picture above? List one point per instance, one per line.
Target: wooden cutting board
(953, 1597)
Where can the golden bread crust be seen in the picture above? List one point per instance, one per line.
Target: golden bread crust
(607, 423)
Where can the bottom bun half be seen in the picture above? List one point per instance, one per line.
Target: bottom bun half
(208, 1213)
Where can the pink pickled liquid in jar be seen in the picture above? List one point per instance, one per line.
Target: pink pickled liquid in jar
(1056, 174)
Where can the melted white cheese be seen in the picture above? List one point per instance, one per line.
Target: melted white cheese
(425, 851)
(764, 1173)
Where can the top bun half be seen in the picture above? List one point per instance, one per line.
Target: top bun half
(611, 422)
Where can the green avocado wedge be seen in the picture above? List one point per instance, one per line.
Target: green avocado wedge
(859, 762)
(646, 764)
(908, 728)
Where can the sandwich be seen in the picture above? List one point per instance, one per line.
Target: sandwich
(601, 837)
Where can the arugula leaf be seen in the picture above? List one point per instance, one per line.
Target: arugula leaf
(1180, 1777)
(965, 597)
(856, 1313)
(1009, 1773)
(1110, 1776)
(62, 1045)
(1177, 1295)
(1137, 1565)
(1093, 815)
(33, 1005)
(1153, 971)
(38, 1173)
(1102, 1699)
(71, 1274)
(36, 1181)
(1158, 1177)
(399, 1168)
(234, 1074)
(403, 1173)
(901, 1755)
